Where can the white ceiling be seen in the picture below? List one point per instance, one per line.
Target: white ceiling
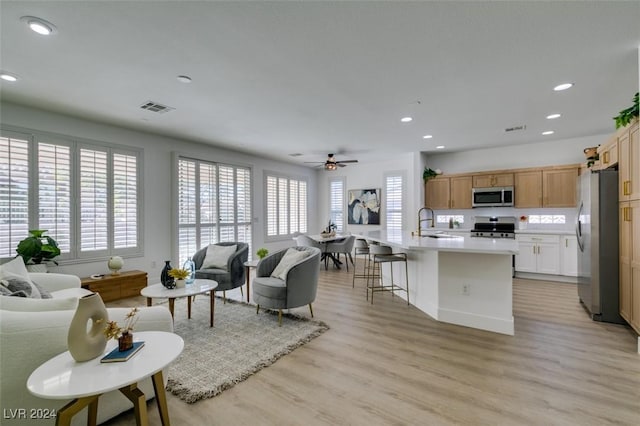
(276, 78)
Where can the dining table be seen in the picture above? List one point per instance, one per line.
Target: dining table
(324, 242)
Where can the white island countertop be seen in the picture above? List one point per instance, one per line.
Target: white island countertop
(443, 241)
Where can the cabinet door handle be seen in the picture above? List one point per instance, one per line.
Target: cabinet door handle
(627, 214)
(566, 243)
(605, 157)
(534, 249)
(625, 187)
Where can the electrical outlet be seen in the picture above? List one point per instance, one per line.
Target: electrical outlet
(466, 289)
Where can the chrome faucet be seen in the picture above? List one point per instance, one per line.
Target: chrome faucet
(420, 220)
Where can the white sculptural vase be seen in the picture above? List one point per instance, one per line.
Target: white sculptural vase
(85, 345)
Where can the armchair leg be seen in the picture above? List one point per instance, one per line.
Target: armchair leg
(257, 309)
(311, 309)
(279, 317)
(224, 297)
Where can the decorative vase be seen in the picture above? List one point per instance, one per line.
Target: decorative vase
(166, 279)
(190, 266)
(125, 341)
(180, 283)
(115, 263)
(85, 345)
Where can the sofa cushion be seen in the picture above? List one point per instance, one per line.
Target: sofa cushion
(290, 258)
(269, 287)
(76, 292)
(217, 256)
(15, 277)
(25, 304)
(6, 292)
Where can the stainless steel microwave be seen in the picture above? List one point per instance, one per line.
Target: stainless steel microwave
(492, 197)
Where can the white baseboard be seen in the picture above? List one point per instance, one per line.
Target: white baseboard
(547, 277)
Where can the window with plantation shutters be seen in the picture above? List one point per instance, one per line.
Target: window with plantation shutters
(337, 202)
(14, 193)
(86, 196)
(286, 200)
(214, 205)
(394, 190)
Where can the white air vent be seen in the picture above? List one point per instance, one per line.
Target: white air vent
(156, 107)
(515, 128)
(295, 154)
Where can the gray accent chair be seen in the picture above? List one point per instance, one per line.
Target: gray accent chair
(342, 247)
(234, 275)
(298, 289)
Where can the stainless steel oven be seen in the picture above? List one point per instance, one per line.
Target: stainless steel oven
(492, 197)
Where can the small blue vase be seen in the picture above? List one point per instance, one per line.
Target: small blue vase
(190, 266)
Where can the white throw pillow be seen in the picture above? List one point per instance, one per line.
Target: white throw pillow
(24, 304)
(290, 258)
(14, 271)
(218, 256)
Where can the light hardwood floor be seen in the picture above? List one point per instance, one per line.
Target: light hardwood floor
(392, 364)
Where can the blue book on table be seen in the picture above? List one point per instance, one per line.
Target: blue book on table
(116, 356)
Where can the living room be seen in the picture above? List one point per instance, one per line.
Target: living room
(380, 364)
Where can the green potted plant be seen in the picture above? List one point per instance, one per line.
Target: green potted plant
(262, 252)
(627, 115)
(429, 173)
(37, 249)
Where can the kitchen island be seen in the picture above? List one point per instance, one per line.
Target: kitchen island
(457, 279)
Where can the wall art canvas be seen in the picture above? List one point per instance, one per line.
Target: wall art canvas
(364, 207)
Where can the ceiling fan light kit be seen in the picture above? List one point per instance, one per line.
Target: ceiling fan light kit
(331, 163)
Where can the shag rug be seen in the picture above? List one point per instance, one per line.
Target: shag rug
(240, 344)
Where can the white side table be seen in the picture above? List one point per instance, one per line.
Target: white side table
(63, 378)
(199, 286)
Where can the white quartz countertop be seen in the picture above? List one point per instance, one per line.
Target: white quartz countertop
(546, 232)
(440, 240)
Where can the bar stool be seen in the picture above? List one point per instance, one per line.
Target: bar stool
(381, 254)
(360, 248)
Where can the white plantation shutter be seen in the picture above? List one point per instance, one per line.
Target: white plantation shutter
(286, 206)
(214, 205)
(337, 203)
(54, 193)
(125, 201)
(14, 194)
(93, 200)
(394, 189)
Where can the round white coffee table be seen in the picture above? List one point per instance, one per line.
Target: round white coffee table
(63, 378)
(199, 286)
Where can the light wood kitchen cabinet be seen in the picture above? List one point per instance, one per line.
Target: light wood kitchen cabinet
(559, 187)
(630, 262)
(569, 255)
(448, 193)
(608, 153)
(460, 192)
(436, 194)
(629, 163)
(538, 254)
(498, 179)
(528, 189)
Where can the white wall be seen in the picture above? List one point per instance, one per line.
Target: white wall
(158, 198)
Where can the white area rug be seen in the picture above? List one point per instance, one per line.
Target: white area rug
(240, 344)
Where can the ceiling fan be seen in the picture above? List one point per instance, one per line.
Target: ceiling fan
(332, 164)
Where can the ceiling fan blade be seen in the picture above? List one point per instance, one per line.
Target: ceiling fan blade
(340, 165)
(346, 161)
(314, 162)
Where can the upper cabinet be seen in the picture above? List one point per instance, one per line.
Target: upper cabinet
(629, 163)
(489, 180)
(608, 153)
(528, 189)
(460, 192)
(559, 187)
(436, 193)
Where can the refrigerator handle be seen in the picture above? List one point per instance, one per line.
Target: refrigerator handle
(579, 228)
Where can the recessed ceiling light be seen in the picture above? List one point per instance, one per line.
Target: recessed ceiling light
(8, 77)
(184, 79)
(427, 136)
(39, 25)
(440, 147)
(552, 116)
(406, 119)
(563, 86)
(548, 132)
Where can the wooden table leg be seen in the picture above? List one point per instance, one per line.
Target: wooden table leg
(171, 304)
(66, 413)
(213, 306)
(248, 271)
(148, 301)
(136, 396)
(189, 307)
(161, 398)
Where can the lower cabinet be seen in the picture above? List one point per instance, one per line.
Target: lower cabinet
(115, 287)
(538, 254)
(630, 262)
(569, 255)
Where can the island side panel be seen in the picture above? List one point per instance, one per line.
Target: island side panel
(423, 281)
(476, 290)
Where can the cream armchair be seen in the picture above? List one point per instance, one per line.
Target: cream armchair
(30, 336)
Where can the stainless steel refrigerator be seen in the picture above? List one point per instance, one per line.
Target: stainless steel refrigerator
(597, 232)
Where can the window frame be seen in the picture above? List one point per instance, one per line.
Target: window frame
(340, 226)
(75, 144)
(303, 211)
(385, 195)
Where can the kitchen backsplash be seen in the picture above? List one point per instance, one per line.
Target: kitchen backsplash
(543, 219)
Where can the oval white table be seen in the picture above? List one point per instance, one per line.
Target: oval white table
(199, 286)
(63, 378)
